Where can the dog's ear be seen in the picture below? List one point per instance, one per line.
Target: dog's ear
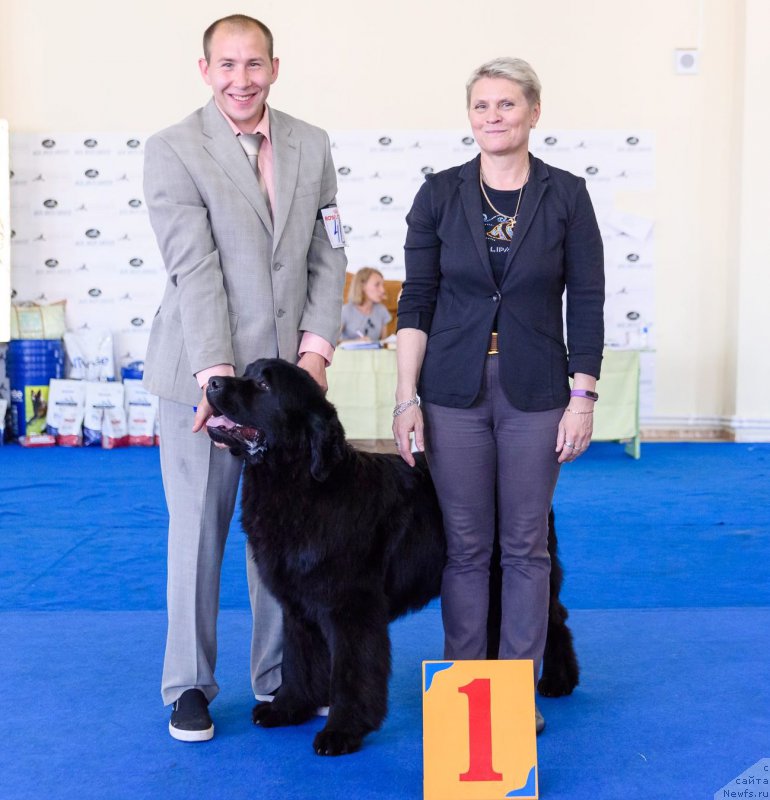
(327, 445)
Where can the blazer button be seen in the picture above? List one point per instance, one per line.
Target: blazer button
(276, 267)
(496, 297)
(280, 312)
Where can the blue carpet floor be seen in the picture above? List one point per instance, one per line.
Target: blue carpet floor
(666, 559)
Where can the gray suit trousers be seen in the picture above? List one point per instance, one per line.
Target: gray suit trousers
(201, 483)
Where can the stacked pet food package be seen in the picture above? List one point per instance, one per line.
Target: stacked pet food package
(90, 408)
(33, 357)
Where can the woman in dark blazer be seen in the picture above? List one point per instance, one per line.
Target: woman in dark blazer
(483, 370)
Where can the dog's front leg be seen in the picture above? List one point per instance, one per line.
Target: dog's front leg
(360, 651)
(304, 675)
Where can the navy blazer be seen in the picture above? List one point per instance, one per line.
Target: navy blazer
(450, 290)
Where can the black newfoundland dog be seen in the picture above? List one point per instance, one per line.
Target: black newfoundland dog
(346, 541)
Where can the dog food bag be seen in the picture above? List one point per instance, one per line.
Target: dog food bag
(3, 410)
(37, 440)
(89, 355)
(114, 427)
(141, 411)
(100, 398)
(66, 409)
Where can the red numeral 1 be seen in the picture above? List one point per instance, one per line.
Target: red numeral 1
(479, 732)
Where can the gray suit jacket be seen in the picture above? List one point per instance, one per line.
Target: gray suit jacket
(239, 287)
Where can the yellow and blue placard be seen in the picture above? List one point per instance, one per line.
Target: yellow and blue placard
(479, 730)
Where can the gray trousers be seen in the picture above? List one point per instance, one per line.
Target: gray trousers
(494, 466)
(201, 483)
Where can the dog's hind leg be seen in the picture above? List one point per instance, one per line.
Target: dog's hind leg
(305, 676)
(561, 673)
(359, 677)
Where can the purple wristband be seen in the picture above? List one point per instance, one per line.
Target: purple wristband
(584, 393)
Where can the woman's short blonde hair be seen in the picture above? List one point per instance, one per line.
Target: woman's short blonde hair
(356, 289)
(512, 69)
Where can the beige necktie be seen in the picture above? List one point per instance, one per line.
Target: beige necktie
(250, 142)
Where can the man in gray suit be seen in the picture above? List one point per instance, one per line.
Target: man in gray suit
(235, 194)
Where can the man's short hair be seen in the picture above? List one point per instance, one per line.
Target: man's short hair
(236, 21)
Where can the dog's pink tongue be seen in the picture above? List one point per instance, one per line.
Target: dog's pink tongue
(220, 422)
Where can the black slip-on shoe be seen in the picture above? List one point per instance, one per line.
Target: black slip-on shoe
(321, 711)
(539, 722)
(190, 720)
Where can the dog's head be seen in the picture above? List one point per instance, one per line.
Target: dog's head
(276, 413)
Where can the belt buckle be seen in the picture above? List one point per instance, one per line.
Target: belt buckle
(493, 351)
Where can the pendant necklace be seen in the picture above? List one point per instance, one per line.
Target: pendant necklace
(511, 219)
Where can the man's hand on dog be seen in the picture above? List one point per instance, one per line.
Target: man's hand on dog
(315, 365)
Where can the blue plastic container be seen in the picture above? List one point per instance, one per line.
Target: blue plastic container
(31, 364)
(133, 371)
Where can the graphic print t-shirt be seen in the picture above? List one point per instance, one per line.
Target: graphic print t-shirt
(498, 228)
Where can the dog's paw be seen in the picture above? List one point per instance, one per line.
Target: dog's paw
(559, 684)
(274, 715)
(336, 743)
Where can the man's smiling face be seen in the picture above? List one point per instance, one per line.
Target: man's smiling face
(240, 73)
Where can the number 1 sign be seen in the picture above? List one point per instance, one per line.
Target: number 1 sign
(479, 730)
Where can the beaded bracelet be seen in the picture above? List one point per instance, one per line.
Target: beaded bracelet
(401, 407)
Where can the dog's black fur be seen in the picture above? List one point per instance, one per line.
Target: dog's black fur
(346, 541)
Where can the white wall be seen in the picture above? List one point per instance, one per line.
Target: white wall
(603, 64)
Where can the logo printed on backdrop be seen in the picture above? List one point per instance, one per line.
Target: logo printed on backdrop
(632, 257)
(137, 260)
(135, 203)
(95, 292)
(386, 259)
(592, 170)
(137, 322)
(50, 203)
(633, 315)
(93, 233)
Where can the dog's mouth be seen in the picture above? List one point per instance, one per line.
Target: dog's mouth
(245, 437)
